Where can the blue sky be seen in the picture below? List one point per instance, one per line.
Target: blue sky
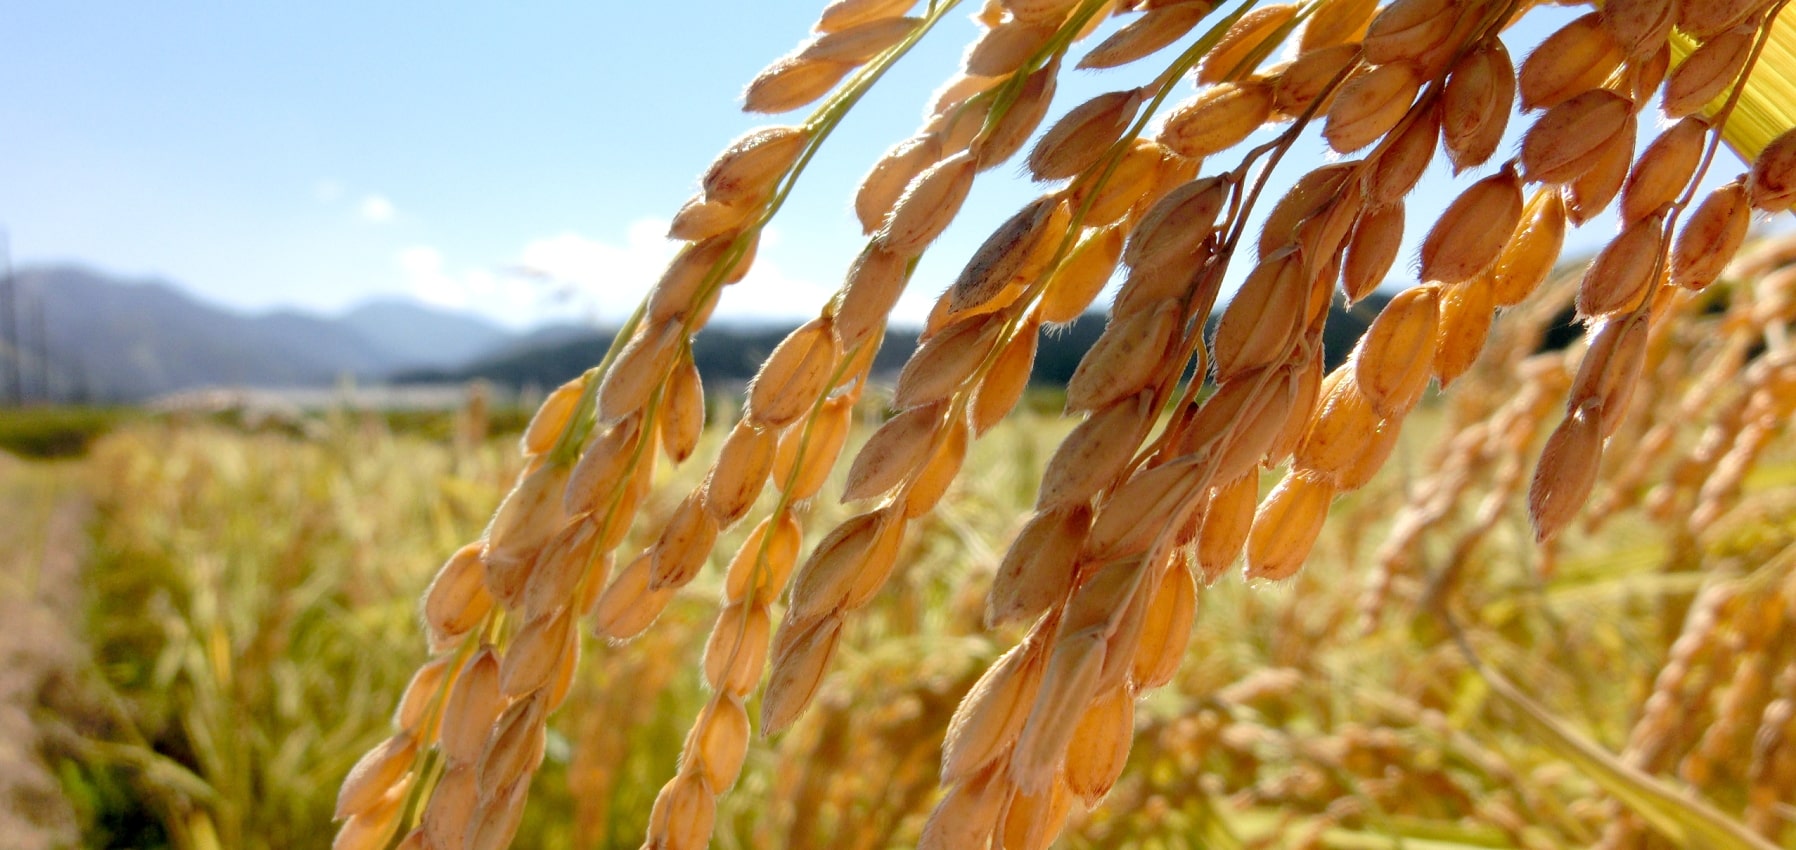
(317, 155)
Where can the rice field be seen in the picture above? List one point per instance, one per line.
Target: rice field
(247, 600)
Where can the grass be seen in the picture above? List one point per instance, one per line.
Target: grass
(53, 432)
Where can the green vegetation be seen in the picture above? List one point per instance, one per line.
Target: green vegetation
(49, 432)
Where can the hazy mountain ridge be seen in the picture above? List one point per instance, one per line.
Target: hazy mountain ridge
(728, 356)
(114, 340)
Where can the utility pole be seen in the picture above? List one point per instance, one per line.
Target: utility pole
(9, 323)
(40, 302)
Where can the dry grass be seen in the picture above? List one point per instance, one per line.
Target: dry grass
(1293, 717)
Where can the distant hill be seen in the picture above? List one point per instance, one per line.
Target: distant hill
(417, 335)
(113, 340)
(728, 356)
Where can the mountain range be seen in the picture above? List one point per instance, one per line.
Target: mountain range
(87, 336)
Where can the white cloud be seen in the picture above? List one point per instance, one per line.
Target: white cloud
(604, 280)
(573, 277)
(376, 209)
(425, 275)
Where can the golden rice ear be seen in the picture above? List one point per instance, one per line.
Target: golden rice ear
(1532, 251)
(1369, 105)
(1082, 275)
(1710, 237)
(1412, 31)
(1575, 59)
(743, 464)
(1640, 27)
(1472, 231)
(1286, 526)
(457, 599)
(1475, 105)
(1004, 48)
(1167, 630)
(797, 671)
(683, 814)
(552, 417)
(1566, 472)
(746, 171)
(1039, 567)
(1645, 76)
(683, 411)
(1623, 273)
(1589, 193)
(1611, 367)
(628, 606)
(1082, 135)
(1394, 360)
(684, 545)
(928, 204)
(1567, 140)
(1398, 163)
(1124, 360)
(1308, 196)
(627, 386)
(1707, 20)
(991, 716)
(1007, 380)
(1336, 22)
(1771, 184)
(1107, 202)
(722, 736)
(882, 187)
(601, 466)
(1100, 745)
(1249, 34)
(801, 476)
(766, 557)
(926, 485)
(967, 815)
(1175, 226)
(535, 651)
(700, 219)
(1707, 72)
(1263, 318)
(736, 652)
(1218, 118)
(1304, 83)
(840, 15)
(375, 774)
(1372, 250)
(794, 375)
(513, 747)
(857, 44)
(1467, 310)
(875, 282)
(1226, 523)
(946, 360)
(896, 449)
(1157, 28)
(1094, 454)
(1003, 254)
(1663, 170)
(1002, 140)
(791, 83)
